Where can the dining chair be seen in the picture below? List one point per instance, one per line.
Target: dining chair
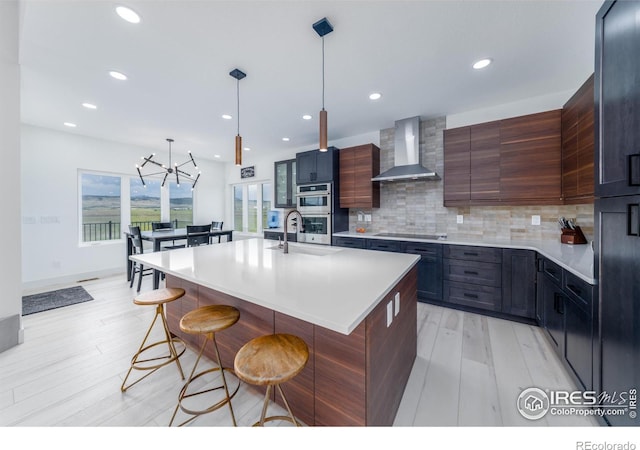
(216, 226)
(166, 226)
(198, 235)
(136, 240)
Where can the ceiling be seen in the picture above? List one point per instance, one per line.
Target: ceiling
(418, 54)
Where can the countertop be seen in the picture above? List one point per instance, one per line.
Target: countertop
(577, 259)
(333, 287)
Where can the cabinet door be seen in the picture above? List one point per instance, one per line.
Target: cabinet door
(530, 159)
(429, 269)
(324, 165)
(366, 166)
(519, 282)
(617, 251)
(485, 161)
(306, 167)
(617, 99)
(347, 178)
(385, 245)
(570, 151)
(553, 300)
(578, 343)
(285, 185)
(457, 166)
(586, 142)
(340, 241)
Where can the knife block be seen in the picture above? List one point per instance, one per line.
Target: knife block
(572, 237)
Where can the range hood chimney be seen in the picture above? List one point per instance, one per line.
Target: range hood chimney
(407, 160)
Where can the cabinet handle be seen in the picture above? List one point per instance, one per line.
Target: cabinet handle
(634, 169)
(470, 295)
(558, 304)
(633, 219)
(551, 272)
(470, 272)
(470, 254)
(576, 290)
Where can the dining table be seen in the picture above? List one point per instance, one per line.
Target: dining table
(157, 237)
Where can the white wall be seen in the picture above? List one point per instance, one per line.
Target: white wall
(11, 299)
(51, 161)
(520, 108)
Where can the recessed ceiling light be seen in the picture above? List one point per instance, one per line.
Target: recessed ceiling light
(128, 14)
(227, 116)
(70, 125)
(247, 149)
(482, 63)
(216, 156)
(375, 96)
(117, 75)
(89, 106)
(306, 117)
(286, 139)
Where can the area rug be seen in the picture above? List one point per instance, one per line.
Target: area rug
(54, 299)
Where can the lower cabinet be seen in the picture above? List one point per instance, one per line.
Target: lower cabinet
(519, 282)
(279, 235)
(429, 269)
(349, 242)
(568, 317)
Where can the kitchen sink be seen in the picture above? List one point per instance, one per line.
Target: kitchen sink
(310, 249)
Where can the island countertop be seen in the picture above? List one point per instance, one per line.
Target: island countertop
(332, 287)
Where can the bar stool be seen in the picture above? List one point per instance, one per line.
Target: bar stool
(271, 360)
(207, 321)
(158, 298)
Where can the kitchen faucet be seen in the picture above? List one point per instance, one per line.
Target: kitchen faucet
(286, 223)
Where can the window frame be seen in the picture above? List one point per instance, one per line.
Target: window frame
(245, 207)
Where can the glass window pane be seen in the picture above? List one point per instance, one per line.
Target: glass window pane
(237, 208)
(145, 203)
(266, 203)
(252, 204)
(100, 207)
(181, 204)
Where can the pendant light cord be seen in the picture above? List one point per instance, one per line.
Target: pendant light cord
(238, 99)
(323, 72)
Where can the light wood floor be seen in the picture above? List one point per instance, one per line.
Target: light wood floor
(469, 371)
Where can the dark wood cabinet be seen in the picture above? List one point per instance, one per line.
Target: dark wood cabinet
(530, 149)
(385, 245)
(285, 183)
(343, 241)
(617, 94)
(429, 269)
(357, 166)
(618, 252)
(508, 162)
(519, 282)
(457, 166)
(553, 301)
(314, 166)
(578, 146)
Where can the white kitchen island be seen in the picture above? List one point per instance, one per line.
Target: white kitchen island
(355, 309)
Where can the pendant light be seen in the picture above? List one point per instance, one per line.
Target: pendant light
(238, 75)
(323, 27)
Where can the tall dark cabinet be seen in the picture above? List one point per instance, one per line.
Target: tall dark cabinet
(617, 205)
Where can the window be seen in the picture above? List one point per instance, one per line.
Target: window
(181, 204)
(145, 203)
(251, 202)
(101, 207)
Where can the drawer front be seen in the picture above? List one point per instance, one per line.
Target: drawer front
(552, 270)
(349, 242)
(487, 274)
(386, 246)
(424, 249)
(470, 253)
(473, 295)
(579, 290)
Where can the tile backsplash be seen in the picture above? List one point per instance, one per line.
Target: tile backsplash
(416, 206)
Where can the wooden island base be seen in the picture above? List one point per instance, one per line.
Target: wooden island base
(349, 380)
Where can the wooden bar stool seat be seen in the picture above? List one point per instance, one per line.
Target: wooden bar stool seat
(146, 358)
(207, 321)
(271, 360)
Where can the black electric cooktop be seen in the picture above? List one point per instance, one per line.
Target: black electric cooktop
(412, 236)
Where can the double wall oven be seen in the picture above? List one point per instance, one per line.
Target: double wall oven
(314, 202)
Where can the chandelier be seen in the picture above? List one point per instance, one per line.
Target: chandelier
(169, 169)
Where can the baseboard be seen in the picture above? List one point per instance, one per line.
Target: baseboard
(11, 332)
(59, 282)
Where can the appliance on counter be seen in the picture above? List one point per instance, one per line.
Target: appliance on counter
(320, 217)
(273, 219)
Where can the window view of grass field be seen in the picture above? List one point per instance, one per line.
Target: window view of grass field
(102, 205)
(252, 207)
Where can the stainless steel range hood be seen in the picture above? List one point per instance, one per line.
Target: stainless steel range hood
(407, 161)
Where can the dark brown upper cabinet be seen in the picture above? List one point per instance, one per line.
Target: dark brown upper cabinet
(357, 166)
(578, 146)
(507, 162)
